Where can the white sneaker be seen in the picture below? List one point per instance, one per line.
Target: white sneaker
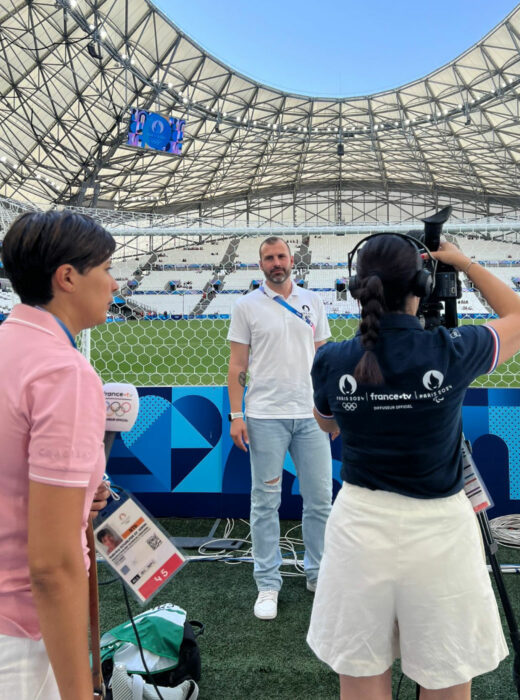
(266, 605)
(311, 586)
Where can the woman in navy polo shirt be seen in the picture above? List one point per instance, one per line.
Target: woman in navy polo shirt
(403, 573)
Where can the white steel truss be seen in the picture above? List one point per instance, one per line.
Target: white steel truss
(252, 155)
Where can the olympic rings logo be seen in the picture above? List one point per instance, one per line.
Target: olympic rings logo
(349, 406)
(118, 408)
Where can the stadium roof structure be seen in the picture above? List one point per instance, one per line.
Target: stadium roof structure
(70, 71)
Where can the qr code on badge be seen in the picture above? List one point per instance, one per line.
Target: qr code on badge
(154, 541)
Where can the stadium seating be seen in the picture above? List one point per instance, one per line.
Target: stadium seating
(481, 249)
(173, 304)
(158, 279)
(241, 279)
(331, 248)
(326, 251)
(7, 301)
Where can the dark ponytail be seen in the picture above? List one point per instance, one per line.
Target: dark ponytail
(371, 297)
(386, 266)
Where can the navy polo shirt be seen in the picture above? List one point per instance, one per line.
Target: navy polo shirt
(404, 435)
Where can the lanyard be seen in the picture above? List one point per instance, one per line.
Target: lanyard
(67, 332)
(65, 329)
(280, 300)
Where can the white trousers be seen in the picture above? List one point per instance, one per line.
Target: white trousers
(25, 670)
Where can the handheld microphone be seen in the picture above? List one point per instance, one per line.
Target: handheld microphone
(122, 402)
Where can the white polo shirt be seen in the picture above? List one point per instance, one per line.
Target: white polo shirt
(281, 350)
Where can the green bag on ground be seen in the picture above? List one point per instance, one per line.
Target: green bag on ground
(161, 632)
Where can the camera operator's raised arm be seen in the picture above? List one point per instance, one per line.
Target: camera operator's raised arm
(502, 299)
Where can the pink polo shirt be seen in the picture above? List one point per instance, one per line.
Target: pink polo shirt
(52, 423)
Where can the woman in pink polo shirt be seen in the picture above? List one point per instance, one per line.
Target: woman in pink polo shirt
(52, 420)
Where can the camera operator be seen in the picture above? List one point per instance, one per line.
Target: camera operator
(403, 573)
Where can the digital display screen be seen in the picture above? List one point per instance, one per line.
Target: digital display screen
(151, 130)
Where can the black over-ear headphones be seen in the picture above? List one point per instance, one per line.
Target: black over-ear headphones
(423, 281)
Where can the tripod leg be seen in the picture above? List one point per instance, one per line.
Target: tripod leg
(491, 548)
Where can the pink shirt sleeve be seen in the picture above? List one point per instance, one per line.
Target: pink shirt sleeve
(67, 416)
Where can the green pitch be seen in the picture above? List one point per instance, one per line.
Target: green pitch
(196, 353)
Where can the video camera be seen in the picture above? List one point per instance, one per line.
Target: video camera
(447, 287)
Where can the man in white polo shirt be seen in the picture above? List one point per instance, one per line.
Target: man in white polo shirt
(274, 333)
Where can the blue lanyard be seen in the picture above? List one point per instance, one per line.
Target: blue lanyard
(67, 332)
(280, 300)
(60, 322)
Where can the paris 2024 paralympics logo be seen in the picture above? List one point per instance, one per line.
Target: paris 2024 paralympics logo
(432, 380)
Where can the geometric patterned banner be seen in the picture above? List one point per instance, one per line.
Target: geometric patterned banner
(180, 461)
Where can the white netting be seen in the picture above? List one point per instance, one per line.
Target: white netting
(176, 299)
(178, 290)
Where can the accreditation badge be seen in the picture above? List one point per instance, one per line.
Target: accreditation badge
(474, 486)
(136, 547)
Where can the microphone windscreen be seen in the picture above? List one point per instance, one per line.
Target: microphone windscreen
(122, 402)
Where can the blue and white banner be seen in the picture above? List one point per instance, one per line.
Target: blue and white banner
(180, 461)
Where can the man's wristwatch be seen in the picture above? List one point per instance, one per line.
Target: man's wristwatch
(232, 416)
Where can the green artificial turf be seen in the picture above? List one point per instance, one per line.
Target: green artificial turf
(248, 659)
(196, 353)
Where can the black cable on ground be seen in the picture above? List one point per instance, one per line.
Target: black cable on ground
(139, 641)
(399, 687)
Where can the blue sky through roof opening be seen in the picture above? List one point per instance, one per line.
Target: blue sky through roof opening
(335, 48)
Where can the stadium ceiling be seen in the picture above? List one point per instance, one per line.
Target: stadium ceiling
(70, 70)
